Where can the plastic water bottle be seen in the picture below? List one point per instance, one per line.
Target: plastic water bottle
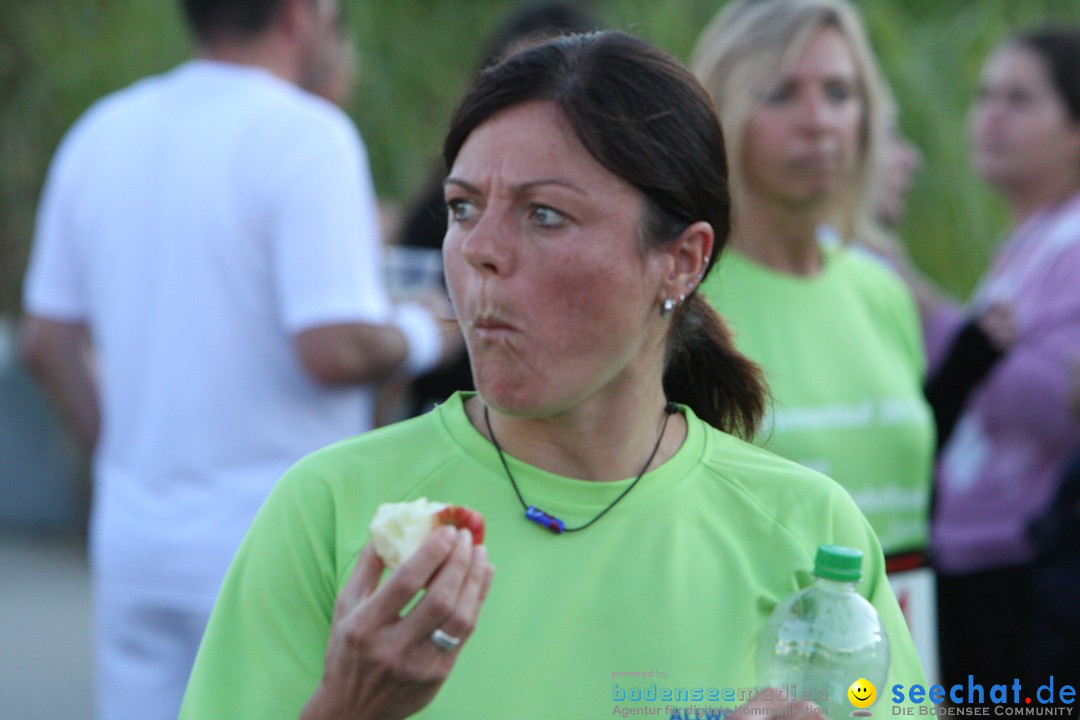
(824, 638)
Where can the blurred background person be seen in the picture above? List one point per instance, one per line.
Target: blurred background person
(1006, 360)
(877, 230)
(333, 77)
(805, 115)
(902, 161)
(204, 306)
(425, 220)
(1055, 576)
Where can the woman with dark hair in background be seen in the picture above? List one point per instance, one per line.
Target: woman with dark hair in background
(587, 199)
(1002, 388)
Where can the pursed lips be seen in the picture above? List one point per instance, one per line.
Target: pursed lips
(815, 160)
(488, 326)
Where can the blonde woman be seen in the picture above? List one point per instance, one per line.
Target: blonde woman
(806, 116)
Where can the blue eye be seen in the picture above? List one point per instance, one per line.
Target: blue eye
(778, 95)
(547, 217)
(460, 209)
(839, 92)
(1019, 98)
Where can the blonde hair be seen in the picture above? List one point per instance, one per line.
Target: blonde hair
(739, 58)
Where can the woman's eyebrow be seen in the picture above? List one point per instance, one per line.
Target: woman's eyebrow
(522, 188)
(525, 187)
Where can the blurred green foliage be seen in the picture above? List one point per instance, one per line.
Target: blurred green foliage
(416, 58)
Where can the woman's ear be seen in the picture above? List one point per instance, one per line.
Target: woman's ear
(689, 258)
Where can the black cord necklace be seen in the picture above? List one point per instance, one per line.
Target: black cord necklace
(552, 523)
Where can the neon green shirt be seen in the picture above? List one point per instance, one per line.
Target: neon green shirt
(842, 354)
(675, 581)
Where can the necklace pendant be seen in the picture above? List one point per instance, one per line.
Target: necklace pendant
(544, 520)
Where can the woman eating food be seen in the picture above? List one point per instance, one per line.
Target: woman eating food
(632, 526)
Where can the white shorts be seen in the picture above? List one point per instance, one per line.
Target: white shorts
(144, 656)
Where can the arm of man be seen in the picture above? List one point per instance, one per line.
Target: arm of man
(351, 352)
(57, 354)
(416, 341)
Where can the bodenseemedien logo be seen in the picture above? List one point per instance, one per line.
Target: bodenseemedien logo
(862, 695)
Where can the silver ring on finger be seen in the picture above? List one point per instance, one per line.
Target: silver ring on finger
(444, 640)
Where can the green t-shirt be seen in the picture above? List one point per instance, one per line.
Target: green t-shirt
(673, 584)
(842, 354)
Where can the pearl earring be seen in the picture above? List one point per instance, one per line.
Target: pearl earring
(667, 308)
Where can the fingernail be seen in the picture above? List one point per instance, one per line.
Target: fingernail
(465, 536)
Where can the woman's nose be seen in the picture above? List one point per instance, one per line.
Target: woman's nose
(986, 116)
(817, 112)
(486, 245)
(906, 155)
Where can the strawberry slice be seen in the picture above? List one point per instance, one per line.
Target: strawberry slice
(462, 517)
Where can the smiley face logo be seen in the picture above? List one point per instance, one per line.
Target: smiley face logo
(862, 693)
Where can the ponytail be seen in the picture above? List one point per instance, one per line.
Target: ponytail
(705, 372)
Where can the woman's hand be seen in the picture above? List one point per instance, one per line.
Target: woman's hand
(382, 664)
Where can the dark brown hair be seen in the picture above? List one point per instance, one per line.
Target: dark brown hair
(644, 117)
(1059, 49)
(211, 20)
(536, 21)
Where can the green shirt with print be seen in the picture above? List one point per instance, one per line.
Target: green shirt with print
(842, 354)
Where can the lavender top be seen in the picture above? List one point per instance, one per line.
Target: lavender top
(1006, 456)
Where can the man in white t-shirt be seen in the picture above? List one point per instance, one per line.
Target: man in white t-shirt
(205, 306)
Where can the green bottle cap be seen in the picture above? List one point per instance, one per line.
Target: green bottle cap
(836, 562)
